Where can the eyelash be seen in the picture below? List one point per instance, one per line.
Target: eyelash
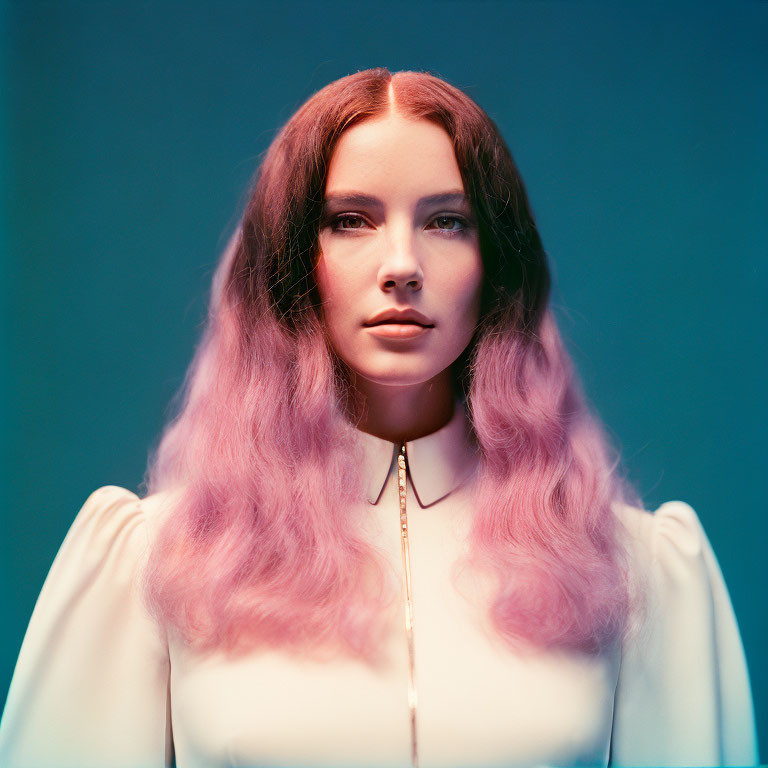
(335, 220)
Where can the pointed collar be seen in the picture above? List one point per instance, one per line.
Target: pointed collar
(438, 463)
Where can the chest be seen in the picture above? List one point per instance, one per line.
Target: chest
(478, 703)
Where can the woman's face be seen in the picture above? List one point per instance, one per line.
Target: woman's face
(397, 234)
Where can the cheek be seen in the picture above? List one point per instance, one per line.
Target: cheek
(339, 297)
(464, 287)
(330, 288)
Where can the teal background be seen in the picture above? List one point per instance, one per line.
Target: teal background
(131, 131)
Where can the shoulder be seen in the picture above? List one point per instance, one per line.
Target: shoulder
(112, 531)
(111, 508)
(110, 514)
(671, 533)
(665, 549)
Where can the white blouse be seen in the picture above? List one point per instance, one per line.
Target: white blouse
(98, 683)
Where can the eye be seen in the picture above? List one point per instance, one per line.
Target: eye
(450, 219)
(356, 219)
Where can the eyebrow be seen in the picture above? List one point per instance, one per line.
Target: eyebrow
(358, 198)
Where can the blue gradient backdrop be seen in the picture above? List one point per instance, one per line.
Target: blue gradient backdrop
(132, 131)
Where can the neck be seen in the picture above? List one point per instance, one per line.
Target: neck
(402, 413)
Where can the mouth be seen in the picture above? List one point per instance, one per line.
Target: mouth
(399, 316)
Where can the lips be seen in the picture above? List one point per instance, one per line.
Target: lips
(399, 316)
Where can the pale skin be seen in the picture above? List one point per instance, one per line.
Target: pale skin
(398, 251)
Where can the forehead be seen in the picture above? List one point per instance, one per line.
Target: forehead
(393, 153)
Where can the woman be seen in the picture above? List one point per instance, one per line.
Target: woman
(383, 529)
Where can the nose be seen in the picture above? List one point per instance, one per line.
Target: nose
(400, 265)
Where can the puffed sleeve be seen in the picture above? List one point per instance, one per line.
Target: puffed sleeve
(683, 695)
(91, 684)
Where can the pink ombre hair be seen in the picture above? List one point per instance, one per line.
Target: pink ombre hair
(259, 548)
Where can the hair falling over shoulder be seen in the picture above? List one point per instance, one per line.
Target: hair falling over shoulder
(260, 548)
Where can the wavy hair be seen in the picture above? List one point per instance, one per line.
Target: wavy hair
(260, 548)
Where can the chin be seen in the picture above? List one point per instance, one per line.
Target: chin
(394, 376)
